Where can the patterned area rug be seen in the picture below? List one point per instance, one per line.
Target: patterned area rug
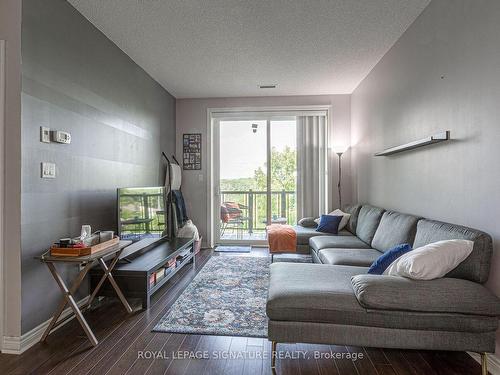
(228, 297)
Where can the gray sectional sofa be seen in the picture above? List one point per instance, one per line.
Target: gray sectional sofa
(335, 301)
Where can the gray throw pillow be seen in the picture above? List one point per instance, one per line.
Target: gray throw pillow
(308, 222)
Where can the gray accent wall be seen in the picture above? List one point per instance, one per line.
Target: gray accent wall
(442, 74)
(120, 119)
(10, 166)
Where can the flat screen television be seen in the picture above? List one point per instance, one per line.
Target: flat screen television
(141, 213)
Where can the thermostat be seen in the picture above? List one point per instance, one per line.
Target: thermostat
(61, 137)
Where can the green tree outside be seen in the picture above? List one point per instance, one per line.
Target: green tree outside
(283, 171)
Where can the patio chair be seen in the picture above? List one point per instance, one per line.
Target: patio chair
(232, 217)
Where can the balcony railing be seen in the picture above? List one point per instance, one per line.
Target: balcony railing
(253, 205)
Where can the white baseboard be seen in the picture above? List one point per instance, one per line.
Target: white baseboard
(493, 362)
(19, 344)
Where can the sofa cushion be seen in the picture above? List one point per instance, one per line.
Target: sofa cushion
(329, 224)
(338, 212)
(445, 295)
(394, 229)
(314, 288)
(340, 242)
(368, 220)
(349, 257)
(323, 293)
(477, 265)
(384, 261)
(303, 234)
(353, 210)
(308, 222)
(432, 261)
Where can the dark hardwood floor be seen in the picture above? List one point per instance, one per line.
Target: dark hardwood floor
(125, 339)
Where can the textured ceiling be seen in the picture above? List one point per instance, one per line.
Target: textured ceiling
(226, 48)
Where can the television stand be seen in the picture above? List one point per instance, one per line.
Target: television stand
(137, 248)
(136, 276)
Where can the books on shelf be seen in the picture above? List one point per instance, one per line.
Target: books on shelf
(168, 267)
(168, 270)
(160, 274)
(183, 256)
(156, 276)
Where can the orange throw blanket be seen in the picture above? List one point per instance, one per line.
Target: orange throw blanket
(281, 238)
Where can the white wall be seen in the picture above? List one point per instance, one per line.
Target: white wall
(442, 74)
(10, 31)
(191, 117)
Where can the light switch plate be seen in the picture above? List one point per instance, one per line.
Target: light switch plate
(44, 134)
(48, 170)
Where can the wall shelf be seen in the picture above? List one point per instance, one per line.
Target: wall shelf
(435, 138)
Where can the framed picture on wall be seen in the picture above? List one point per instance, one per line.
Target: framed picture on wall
(191, 151)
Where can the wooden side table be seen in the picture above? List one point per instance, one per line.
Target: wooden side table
(86, 262)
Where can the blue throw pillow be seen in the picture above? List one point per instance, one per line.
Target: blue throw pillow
(329, 224)
(380, 265)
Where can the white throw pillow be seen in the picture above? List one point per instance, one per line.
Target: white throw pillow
(431, 261)
(338, 212)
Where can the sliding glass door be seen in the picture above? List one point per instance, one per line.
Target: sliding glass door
(242, 180)
(256, 173)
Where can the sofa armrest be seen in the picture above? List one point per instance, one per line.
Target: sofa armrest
(445, 295)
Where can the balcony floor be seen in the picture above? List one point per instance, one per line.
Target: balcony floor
(242, 235)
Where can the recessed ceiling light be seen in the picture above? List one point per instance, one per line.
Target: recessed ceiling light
(269, 86)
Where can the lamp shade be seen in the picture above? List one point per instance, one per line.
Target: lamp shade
(340, 149)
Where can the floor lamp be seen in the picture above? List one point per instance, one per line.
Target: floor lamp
(339, 150)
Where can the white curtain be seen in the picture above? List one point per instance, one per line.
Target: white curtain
(312, 170)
